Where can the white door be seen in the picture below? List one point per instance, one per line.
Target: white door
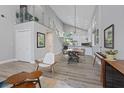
(23, 45)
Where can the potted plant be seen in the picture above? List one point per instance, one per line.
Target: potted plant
(111, 54)
(36, 19)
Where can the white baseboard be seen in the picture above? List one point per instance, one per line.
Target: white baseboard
(7, 61)
(28, 61)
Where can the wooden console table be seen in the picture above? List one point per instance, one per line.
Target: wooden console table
(112, 72)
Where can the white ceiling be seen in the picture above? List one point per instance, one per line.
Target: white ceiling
(66, 13)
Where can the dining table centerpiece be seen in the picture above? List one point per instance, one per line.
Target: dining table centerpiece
(111, 54)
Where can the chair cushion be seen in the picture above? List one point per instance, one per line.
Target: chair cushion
(49, 58)
(44, 65)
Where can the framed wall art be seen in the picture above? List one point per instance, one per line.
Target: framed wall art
(40, 40)
(109, 37)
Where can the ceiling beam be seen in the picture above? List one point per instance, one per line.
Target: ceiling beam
(76, 27)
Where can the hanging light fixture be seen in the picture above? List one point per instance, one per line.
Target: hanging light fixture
(75, 16)
(75, 23)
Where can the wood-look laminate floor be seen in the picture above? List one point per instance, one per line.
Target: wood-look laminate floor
(80, 75)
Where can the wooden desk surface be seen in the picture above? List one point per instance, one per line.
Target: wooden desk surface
(118, 65)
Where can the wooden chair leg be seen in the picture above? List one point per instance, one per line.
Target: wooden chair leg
(39, 83)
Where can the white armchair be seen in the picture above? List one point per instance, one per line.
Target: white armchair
(48, 62)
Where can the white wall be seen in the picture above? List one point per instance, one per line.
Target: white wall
(106, 15)
(37, 11)
(46, 16)
(57, 44)
(114, 15)
(79, 36)
(30, 29)
(39, 52)
(24, 41)
(95, 24)
(49, 16)
(7, 32)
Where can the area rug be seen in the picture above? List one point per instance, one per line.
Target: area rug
(53, 83)
(45, 83)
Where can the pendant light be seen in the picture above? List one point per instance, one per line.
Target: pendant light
(75, 16)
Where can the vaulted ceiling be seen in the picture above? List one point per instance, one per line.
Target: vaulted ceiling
(66, 14)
